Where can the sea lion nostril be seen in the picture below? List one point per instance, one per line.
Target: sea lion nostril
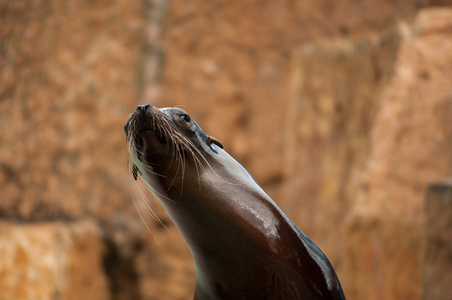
(143, 108)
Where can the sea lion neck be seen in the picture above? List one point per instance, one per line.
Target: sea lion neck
(243, 244)
(164, 144)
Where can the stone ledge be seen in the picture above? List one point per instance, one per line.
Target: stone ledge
(437, 274)
(51, 260)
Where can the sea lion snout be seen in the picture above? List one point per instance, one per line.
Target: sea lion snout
(143, 108)
(140, 111)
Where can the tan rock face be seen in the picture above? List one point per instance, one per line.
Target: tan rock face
(236, 78)
(69, 74)
(411, 145)
(339, 112)
(437, 237)
(44, 261)
(237, 81)
(336, 85)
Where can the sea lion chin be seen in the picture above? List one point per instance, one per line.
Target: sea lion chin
(244, 246)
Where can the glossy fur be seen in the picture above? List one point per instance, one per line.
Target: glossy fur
(243, 244)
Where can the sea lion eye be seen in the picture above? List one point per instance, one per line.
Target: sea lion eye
(185, 117)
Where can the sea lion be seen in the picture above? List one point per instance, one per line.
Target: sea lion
(244, 246)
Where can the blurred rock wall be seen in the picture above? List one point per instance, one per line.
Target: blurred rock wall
(438, 241)
(70, 72)
(341, 110)
(411, 143)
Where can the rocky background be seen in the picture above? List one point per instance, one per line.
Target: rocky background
(341, 110)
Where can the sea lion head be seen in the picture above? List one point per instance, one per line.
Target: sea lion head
(166, 146)
(243, 244)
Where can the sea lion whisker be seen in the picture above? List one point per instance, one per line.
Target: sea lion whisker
(198, 165)
(183, 159)
(138, 210)
(167, 136)
(132, 151)
(172, 159)
(147, 167)
(159, 127)
(157, 193)
(189, 146)
(183, 162)
(197, 162)
(143, 163)
(176, 147)
(147, 206)
(178, 159)
(142, 219)
(167, 147)
(137, 187)
(205, 160)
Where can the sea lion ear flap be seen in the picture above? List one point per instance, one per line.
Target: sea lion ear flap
(211, 140)
(135, 172)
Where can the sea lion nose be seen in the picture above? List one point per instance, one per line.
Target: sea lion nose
(143, 108)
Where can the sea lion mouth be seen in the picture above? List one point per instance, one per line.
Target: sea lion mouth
(140, 132)
(148, 128)
(144, 121)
